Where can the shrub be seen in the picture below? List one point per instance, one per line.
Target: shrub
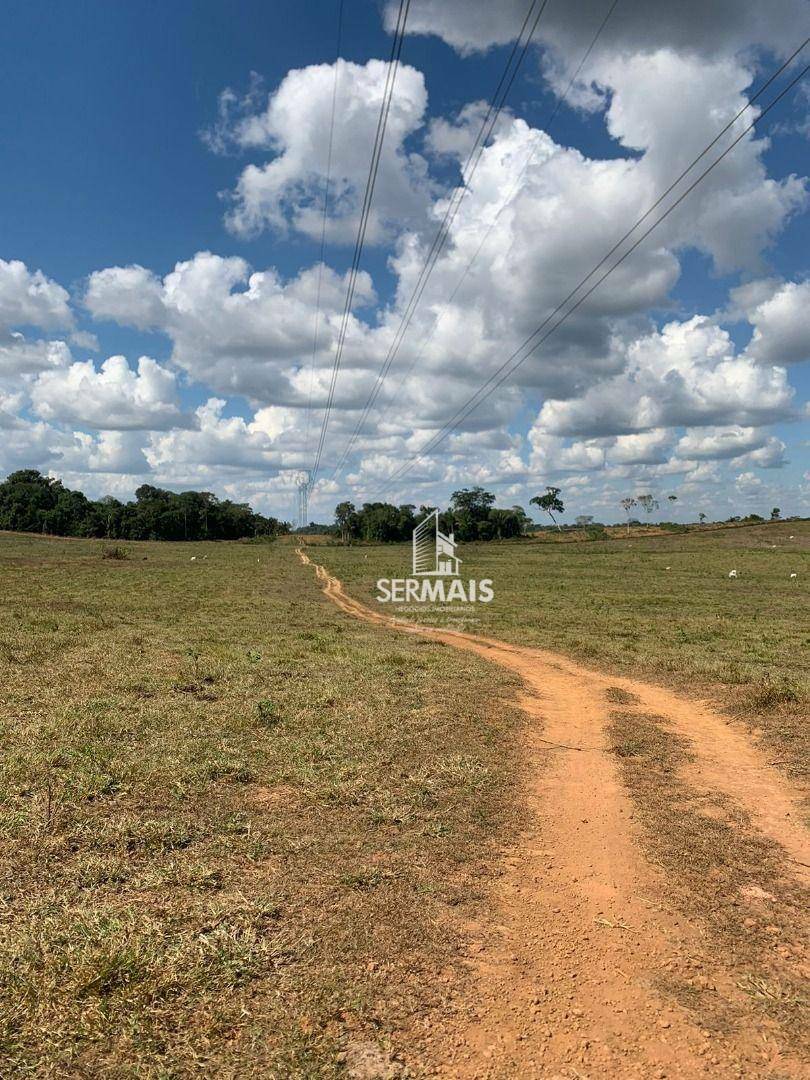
(269, 714)
(771, 693)
(115, 551)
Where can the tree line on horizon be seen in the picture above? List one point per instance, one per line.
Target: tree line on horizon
(471, 515)
(31, 502)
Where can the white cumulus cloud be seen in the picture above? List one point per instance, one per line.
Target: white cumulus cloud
(236, 330)
(287, 191)
(782, 325)
(686, 374)
(31, 299)
(114, 397)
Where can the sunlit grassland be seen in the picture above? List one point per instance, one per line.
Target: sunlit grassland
(233, 821)
(662, 606)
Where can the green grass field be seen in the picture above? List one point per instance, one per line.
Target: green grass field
(232, 821)
(662, 607)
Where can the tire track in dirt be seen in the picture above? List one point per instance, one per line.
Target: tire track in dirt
(566, 979)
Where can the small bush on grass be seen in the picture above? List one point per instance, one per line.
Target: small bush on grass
(268, 713)
(115, 551)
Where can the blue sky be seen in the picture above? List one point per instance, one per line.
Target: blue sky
(102, 113)
(108, 166)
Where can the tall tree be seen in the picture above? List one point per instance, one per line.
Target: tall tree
(648, 503)
(344, 513)
(386, 523)
(469, 514)
(505, 524)
(551, 503)
(523, 518)
(627, 505)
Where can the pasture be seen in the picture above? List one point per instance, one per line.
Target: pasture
(663, 606)
(232, 822)
(245, 834)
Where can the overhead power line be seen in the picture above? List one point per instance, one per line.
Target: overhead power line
(541, 334)
(379, 137)
(546, 126)
(516, 57)
(323, 225)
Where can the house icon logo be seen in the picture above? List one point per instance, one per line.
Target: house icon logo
(433, 552)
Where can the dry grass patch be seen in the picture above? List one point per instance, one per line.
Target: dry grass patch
(617, 696)
(722, 873)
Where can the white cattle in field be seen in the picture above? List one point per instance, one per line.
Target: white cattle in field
(732, 573)
(794, 575)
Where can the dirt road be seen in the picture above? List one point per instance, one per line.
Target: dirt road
(594, 963)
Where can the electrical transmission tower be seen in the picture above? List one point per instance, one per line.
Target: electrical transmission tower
(303, 499)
